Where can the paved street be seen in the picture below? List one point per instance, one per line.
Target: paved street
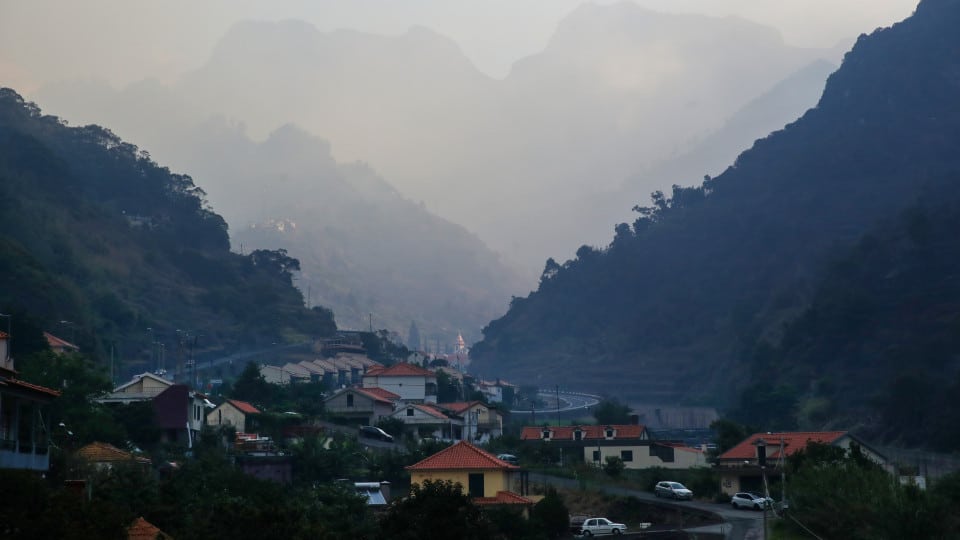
(737, 524)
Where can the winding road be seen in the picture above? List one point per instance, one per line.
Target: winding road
(570, 401)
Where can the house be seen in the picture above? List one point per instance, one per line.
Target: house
(428, 421)
(488, 480)
(739, 467)
(412, 383)
(143, 387)
(497, 391)
(480, 421)
(105, 456)
(23, 437)
(142, 529)
(232, 412)
(279, 375)
(180, 414)
(365, 406)
(58, 345)
(258, 456)
(630, 442)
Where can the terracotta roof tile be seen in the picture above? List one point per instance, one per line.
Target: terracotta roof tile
(142, 529)
(621, 431)
(462, 455)
(30, 387)
(794, 442)
(401, 369)
(379, 393)
(56, 342)
(503, 497)
(459, 406)
(243, 406)
(100, 452)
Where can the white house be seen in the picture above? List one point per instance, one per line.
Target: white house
(413, 384)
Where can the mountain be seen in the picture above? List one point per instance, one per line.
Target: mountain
(125, 252)
(617, 88)
(366, 251)
(672, 309)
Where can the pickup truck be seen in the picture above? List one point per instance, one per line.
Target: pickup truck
(600, 526)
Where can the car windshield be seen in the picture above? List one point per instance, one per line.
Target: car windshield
(675, 485)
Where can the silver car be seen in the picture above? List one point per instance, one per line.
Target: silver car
(750, 500)
(672, 490)
(601, 526)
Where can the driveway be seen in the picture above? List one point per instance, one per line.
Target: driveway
(737, 524)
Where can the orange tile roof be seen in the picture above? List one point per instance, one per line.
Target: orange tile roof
(401, 369)
(503, 497)
(462, 455)
(379, 394)
(622, 431)
(101, 452)
(142, 529)
(793, 442)
(55, 342)
(24, 385)
(458, 406)
(243, 406)
(432, 411)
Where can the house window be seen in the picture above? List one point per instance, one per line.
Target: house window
(349, 400)
(546, 435)
(475, 484)
(610, 433)
(410, 411)
(596, 455)
(626, 455)
(578, 435)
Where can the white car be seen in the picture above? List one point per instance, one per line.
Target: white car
(750, 500)
(672, 490)
(598, 526)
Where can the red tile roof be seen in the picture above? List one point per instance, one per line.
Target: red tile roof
(100, 452)
(243, 406)
(142, 529)
(4, 335)
(59, 343)
(793, 442)
(427, 409)
(379, 394)
(622, 431)
(459, 406)
(401, 369)
(462, 455)
(30, 387)
(503, 497)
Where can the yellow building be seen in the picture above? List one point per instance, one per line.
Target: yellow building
(488, 480)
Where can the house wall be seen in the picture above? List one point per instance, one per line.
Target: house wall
(646, 456)
(363, 406)
(275, 375)
(493, 481)
(228, 415)
(411, 388)
(147, 386)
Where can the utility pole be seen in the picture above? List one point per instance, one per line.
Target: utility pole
(762, 461)
(558, 405)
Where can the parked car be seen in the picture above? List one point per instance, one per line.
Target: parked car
(373, 432)
(509, 458)
(600, 526)
(672, 490)
(750, 500)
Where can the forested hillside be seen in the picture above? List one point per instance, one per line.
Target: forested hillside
(673, 308)
(103, 246)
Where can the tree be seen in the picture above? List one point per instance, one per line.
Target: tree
(611, 411)
(436, 509)
(251, 386)
(729, 433)
(552, 514)
(613, 466)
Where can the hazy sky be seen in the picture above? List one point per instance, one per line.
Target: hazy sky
(126, 40)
